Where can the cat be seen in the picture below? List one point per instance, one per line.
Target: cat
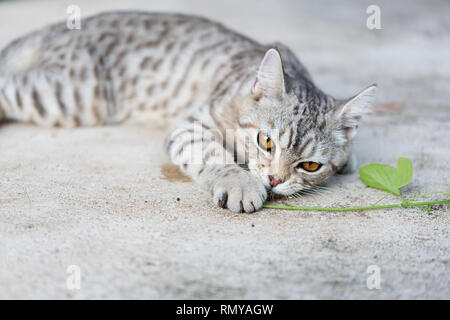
(284, 134)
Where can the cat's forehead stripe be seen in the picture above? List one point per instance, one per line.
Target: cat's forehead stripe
(286, 136)
(184, 71)
(307, 143)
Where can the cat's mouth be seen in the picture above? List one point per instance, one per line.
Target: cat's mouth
(276, 190)
(280, 190)
(274, 184)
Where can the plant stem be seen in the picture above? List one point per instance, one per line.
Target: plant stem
(399, 205)
(380, 200)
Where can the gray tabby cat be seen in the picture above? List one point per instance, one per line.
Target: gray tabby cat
(266, 126)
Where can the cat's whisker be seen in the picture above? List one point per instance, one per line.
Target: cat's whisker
(123, 48)
(296, 195)
(320, 188)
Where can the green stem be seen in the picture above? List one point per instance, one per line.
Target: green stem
(399, 205)
(380, 200)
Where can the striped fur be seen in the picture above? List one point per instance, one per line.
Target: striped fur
(216, 88)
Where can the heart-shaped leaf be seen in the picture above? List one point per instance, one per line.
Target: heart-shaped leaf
(404, 172)
(380, 176)
(387, 178)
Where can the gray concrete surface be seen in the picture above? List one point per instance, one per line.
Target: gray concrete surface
(105, 200)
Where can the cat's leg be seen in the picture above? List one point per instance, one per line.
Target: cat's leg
(200, 154)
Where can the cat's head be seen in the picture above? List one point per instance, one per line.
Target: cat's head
(297, 137)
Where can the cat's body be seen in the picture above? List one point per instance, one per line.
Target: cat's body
(191, 73)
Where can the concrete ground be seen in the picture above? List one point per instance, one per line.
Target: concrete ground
(105, 200)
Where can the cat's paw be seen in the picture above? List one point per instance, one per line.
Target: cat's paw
(240, 192)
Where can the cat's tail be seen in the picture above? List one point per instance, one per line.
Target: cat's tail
(35, 97)
(2, 114)
(3, 108)
(28, 90)
(10, 100)
(28, 98)
(48, 97)
(16, 59)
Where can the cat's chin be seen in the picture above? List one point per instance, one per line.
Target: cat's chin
(278, 194)
(281, 190)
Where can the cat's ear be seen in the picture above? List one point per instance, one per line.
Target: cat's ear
(270, 78)
(350, 111)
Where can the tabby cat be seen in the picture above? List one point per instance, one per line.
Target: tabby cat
(247, 118)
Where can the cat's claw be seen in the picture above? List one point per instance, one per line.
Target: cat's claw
(239, 194)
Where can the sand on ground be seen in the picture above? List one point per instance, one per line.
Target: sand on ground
(105, 201)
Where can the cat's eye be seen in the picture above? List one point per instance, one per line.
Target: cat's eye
(309, 166)
(265, 142)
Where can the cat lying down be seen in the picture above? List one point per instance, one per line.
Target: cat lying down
(246, 118)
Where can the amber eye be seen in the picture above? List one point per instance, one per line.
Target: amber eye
(265, 142)
(309, 166)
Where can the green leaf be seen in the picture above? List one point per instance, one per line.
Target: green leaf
(380, 176)
(387, 178)
(404, 172)
(446, 192)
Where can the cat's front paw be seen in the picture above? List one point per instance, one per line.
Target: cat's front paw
(240, 192)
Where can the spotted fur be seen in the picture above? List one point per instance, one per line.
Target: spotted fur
(215, 87)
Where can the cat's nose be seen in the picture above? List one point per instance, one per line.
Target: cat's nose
(273, 182)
